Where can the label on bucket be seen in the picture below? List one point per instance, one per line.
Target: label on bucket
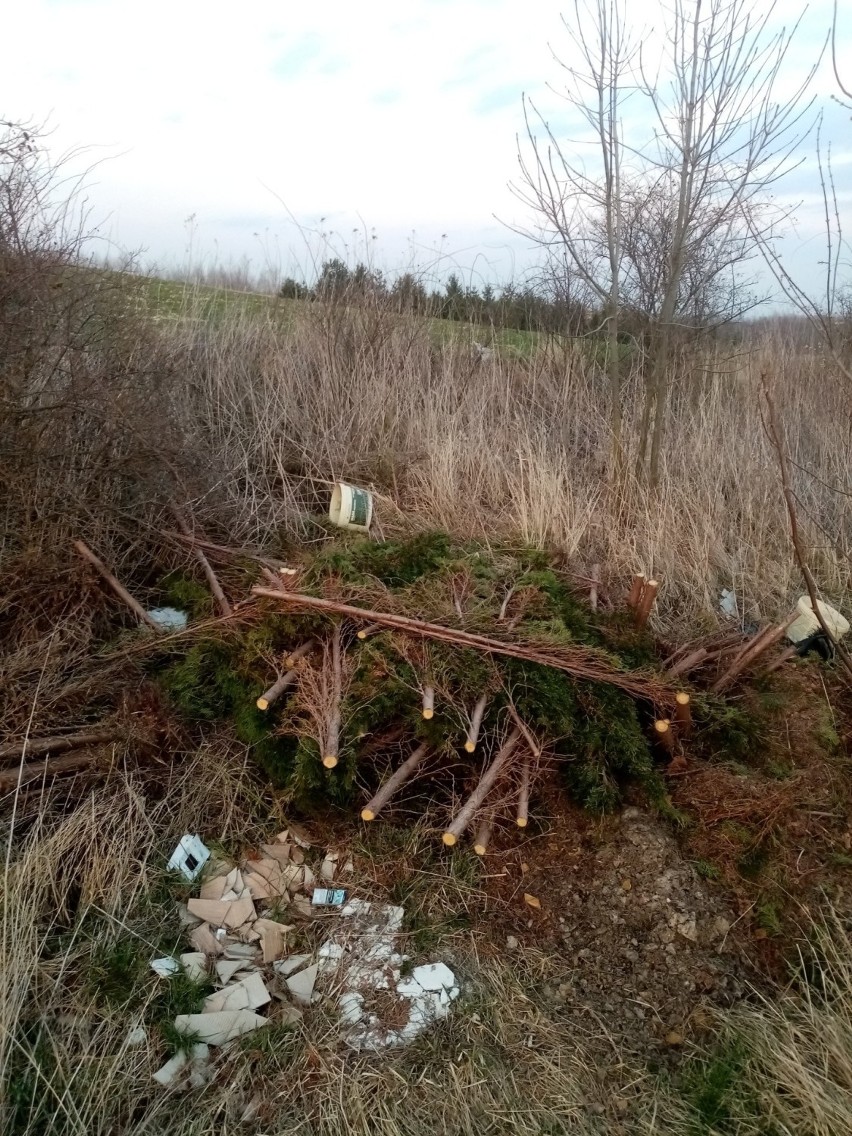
(359, 509)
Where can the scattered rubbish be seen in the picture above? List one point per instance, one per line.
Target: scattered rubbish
(351, 508)
(168, 618)
(203, 939)
(165, 967)
(329, 866)
(328, 897)
(379, 1008)
(137, 1036)
(169, 1072)
(227, 968)
(219, 1027)
(532, 900)
(301, 985)
(286, 966)
(249, 993)
(511, 943)
(190, 1069)
(189, 857)
(806, 625)
(728, 603)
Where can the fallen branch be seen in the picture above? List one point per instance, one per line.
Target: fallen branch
(586, 663)
(38, 770)
(477, 797)
(117, 587)
(395, 782)
(758, 645)
(212, 579)
(690, 662)
(32, 747)
(222, 550)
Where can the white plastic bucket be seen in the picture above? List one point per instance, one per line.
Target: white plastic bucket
(807, 623)
(351, 508)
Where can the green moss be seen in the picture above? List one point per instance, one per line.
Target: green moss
(186, 594)
(393, 563)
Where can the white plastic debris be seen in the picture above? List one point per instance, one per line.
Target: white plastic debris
(168, 618)
(136, 1036)
(728, 603)
(165, 967)
(190, 856)
(328, 897)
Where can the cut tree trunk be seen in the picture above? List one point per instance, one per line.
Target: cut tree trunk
(395, 782)
(486, 784)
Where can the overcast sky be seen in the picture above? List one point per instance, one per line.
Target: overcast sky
(257, 118)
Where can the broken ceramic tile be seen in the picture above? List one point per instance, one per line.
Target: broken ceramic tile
(194, 964)
(309, 880)
(184, 917)
(301, 985)
(239, 912)
(227, 968)
(260, 888)
(301, 905)
(203, 939)
(221, 1027)
(327, 869)
(279, 852)
(190, 856)
(248, 994)
(283, 837)
(235, 950)
(169, 1073)
(165, 967)
(289, 965)
(212, 911)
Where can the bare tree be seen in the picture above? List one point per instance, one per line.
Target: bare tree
(688, 197)
(570, 201)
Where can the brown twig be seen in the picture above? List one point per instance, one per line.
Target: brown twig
(116, 586)
(49, 767)
(212, 578)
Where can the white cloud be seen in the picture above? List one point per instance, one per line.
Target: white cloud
(403, 114)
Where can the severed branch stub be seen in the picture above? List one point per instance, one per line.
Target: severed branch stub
(636, 589)
(483, 836)
(395, 782)
(663, 730)
(428, 702)
(370, 629)
(331, 756)
(486, 783)
(277, 689)
(646, 602)
(683, 714)
(523, 813)
(475, 723)
(119, 589)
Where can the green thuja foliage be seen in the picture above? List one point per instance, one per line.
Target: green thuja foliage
(594, 728)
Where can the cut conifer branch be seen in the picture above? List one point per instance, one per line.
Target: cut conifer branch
(663, 730)
(689, 662)
(757, 647)
(475, 723)
(523, 810)
(646, 602)
(483, 835)
(428, 702)
(586, 663)
(486, 783)
(370, 629)
(212, 579)
(535, 748)
(395, 782)
(277, 689)
(331, 754)
(683, 714)
(636, 589)
(119, 589)
(300, 652)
